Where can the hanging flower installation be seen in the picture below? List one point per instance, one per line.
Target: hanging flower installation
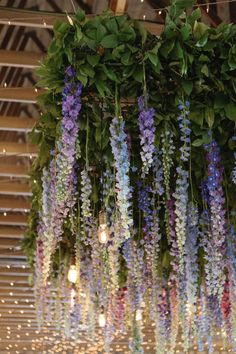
(135, 193)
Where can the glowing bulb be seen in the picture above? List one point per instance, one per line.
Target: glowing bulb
(72, 274)
(102, 320)
(138, 315)
(103, 233)
(159, 12)
(5, 214)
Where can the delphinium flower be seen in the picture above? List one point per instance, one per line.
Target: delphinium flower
(215, 199)
(67, 143)
(158, 174)
(147, 135)
(86, 217)
(185, 131)
(181, 192)
(234, 169)
(204, 326)
(191, 250)
(167, 150)
(122, 165)
(181, 204)
(231, 265)
(174, 313)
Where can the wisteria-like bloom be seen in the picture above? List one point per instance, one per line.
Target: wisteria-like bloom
(147, 135)
(167, 149)
(158, 174)
(185, 130)
(86, 191)
(191, 249)
(234, 169)
(122, 164)
(181, 205)
(214, 196)
(67, 144)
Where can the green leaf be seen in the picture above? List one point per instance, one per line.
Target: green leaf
(167, 47)
(197, 142)
(101, 32)
(153, 58)
(102, 88)
(93, 59)
(112, 26)
(82, 78)
(110, 73)
(78, 34)
(87, 70)
(80, 15)
(195, 15)
(187, 86)
(205, 70)
(109, 41)
(209, 116)
(199, 29)
(230, 111)
(185, 32)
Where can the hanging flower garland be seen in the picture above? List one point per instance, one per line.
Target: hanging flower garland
(122, 164)
(149, 268)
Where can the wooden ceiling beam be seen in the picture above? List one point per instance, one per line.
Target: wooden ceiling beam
(7, 170)
(11, 232)
(14, 219)
(19, 149)
(14, 204)
(14, 270)
(118, 6)
(14, 188)
(46, 19)
(20, 59)
(19, 94)
(8, 243)
(22, 124)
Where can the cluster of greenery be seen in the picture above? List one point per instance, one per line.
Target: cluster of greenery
(115, 58)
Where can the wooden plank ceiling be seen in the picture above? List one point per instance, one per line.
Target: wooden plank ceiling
(25, 32)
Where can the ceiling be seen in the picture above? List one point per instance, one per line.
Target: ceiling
(24, 38)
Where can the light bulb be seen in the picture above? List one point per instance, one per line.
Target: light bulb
(102, 320)
(138, 315)
(72, 274)
(103, 233)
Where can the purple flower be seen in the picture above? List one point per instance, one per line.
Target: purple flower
(147, 135)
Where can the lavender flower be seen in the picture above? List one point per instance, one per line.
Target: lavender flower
(215, 199)
(122, 164)
(185, 130)
(168, 149)
(147, 135)
(181, 203)
(86, 191)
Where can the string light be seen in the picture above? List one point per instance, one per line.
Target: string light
(5, 214)
(102, 320)
(72, 274)
(5, 84)
(103, 232)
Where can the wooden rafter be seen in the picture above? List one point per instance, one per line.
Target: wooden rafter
(13, 219)
(14, 204)
(15, 188)
(23, 124)
(46, 19)
(118, 6)
(11, 232)
(7, 170)
(19, 94)
(22, 59)
(19, 149)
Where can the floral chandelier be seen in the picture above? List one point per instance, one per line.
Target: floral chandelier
(133, 214)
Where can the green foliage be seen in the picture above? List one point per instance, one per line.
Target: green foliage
(189, 60)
